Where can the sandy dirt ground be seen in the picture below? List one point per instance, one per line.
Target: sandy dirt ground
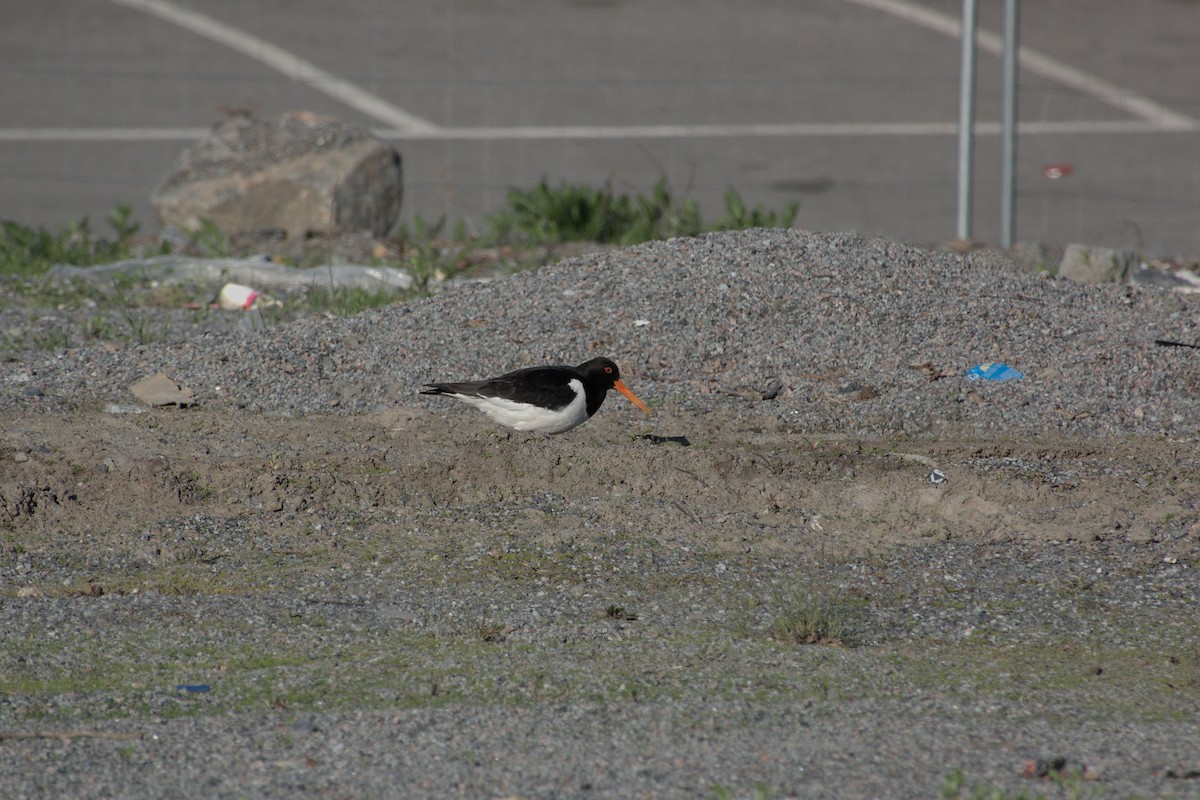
(727, 475)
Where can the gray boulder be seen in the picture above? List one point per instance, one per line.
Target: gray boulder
(294, 172)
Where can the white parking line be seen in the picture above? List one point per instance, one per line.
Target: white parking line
(102, 134)
(281, 60)
(1128, 101)
(799, 130)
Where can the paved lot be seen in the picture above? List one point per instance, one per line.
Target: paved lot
(845, 105)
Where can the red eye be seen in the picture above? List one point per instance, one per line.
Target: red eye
(608, 370)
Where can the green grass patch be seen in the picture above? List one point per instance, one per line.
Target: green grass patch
(318, 658)
(28, 251)
(1068, 785)
(341, 301)
(1062, 675)
(821, 619)
(580, 213)
(760, 791)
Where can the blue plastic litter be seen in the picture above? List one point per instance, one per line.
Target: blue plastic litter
(193, 687)
(993, 372)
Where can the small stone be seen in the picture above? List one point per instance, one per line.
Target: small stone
(161, 390)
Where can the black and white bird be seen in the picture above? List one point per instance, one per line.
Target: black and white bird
(541, 399)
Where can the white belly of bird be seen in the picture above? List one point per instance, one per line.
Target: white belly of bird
(527, 417)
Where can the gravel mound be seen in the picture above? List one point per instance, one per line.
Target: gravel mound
(841, 333)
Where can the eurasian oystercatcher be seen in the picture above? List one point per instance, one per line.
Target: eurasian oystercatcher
(542, 399)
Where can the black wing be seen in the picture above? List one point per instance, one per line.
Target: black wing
(548, 387)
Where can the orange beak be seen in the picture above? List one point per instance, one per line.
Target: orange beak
(633, 398)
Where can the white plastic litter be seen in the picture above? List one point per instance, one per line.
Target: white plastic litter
(236, 297)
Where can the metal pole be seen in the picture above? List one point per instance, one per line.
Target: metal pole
(1008, 154)
(966, 114)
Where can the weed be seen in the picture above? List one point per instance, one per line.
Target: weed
(738, 217)
(28, 252)
(141, 330)
(57, 338)
(98, 327)
(492, 631)
(568, 213)
(578, 213)
(619, 613)
(761, 792)
(424, 260)
(345, 301)
(120, 219)
(1068, 785)
(210, 241)
(808, 620)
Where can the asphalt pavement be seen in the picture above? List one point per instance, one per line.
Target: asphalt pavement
(846, 106)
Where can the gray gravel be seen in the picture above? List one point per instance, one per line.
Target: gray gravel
(863, 727)
(689, 320)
